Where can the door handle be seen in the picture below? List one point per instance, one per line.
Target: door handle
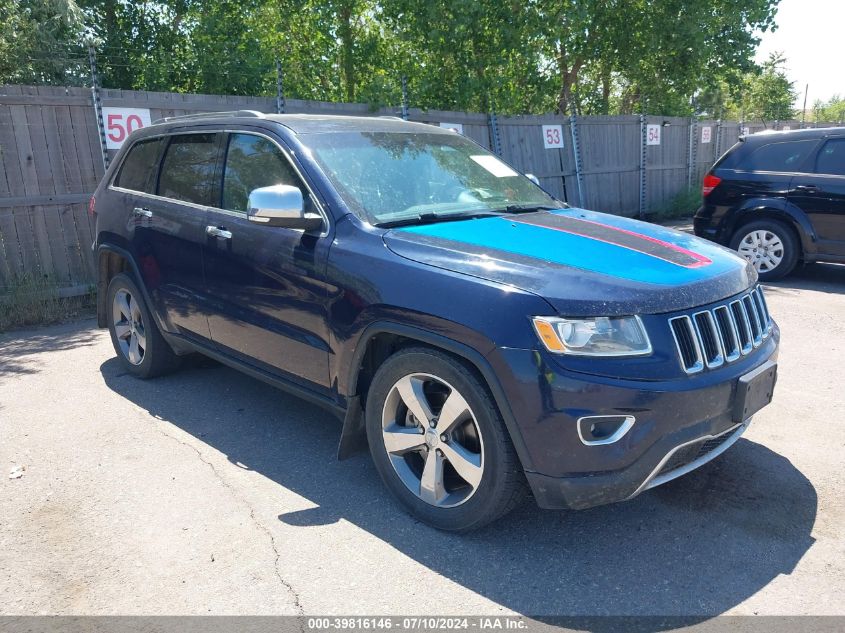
(807, 188)
(141, 212)
(216, 231)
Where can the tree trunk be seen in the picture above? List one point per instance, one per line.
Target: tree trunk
(347, 42)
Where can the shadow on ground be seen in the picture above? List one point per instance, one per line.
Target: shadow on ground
(17, 349)
(818, 277)
(697, 546)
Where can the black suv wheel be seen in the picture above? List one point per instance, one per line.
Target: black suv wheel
(439, 442)
(769, 245)
(139, 345)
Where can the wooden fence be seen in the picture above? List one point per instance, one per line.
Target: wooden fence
(51, 160)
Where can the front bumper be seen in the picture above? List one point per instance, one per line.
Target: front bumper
(680, 425)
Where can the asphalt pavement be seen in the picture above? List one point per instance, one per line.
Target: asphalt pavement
(207, 492)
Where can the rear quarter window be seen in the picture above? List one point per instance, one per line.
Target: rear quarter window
(138, 170)
(787, 156)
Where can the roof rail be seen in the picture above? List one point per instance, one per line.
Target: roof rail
(211, 115)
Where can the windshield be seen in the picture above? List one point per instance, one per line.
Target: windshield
(393, 177)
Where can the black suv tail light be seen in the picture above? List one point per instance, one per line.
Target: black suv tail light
(710, 183)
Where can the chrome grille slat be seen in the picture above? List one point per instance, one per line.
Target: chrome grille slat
(711, 338)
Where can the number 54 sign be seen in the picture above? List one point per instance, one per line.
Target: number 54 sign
(121, 122)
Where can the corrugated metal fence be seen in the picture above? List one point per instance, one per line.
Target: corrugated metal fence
(51, 161)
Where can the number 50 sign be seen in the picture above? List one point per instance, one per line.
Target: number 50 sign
(121, 122)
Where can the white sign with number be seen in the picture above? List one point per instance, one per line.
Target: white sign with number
(706, 134)
(121, 122)
(744, 131)
(652, 135)
(553, 136)
(455, 127)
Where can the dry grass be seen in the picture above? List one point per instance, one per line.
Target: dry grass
(30, 300)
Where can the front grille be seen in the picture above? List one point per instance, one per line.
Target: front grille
(721, 334)
(691, 452)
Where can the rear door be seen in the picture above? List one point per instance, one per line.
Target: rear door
(170, 230)
(821, 195)
(266, 284)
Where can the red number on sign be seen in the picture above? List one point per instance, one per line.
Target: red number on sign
(133, 122)
(116, 131)
(553, 136)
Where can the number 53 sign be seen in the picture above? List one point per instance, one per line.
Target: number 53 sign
(121, 122)
(553, 136)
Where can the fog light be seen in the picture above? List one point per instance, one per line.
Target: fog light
(600, 430)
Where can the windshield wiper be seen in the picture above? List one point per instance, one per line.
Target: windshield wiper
(432, 218)
(530, 208)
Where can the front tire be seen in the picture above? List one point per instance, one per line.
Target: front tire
(769, 245)
(139, 345)
(439, 442)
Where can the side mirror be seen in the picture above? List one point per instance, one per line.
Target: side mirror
(281, 205)
(533, 179)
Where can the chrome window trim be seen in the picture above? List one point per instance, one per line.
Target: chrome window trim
(211, 207)
(623, 429)
(720, 357)
(654, 480)
(699, 363)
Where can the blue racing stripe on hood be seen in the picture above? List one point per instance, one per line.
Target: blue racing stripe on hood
(587, 253)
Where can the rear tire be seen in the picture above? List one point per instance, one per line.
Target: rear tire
(770, 246)
(457, 469)
(139, 345)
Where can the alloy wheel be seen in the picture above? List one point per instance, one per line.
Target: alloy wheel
(129, 326)
(763, 249)
(433, 440)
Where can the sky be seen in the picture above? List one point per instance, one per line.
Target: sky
(810, 34)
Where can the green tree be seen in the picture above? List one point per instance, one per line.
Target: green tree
(41, 42)
(766, 94)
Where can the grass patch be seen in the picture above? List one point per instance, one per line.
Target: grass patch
(31, 300)
(683, 205)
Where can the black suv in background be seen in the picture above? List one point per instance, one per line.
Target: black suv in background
(778, 198)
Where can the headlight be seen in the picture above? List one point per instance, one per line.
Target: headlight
(598, 336)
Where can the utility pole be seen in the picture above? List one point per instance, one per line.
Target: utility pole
(804, 110)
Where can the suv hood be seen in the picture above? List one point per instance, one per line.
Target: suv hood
(582, 262)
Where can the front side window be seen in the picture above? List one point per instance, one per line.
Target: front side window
(389, 177)
(831, 158)
(253, 162)
(138, 170)
(188, 168)
(787, 156)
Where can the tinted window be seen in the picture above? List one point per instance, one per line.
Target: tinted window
(787, 156)
(253, 162)
(831, 159)
(138, 170)
(188, 168)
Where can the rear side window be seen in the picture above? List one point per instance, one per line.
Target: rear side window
(831, 159)
(253, 162)
(187, 170)
(138, 170)
(786, 156)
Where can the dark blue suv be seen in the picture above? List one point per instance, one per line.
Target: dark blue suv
(483, 338)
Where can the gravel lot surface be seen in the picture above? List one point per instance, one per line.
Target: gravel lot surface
(207, 492)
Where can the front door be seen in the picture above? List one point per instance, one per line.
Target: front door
(821, 195)
(169, 231)
(266, 284)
